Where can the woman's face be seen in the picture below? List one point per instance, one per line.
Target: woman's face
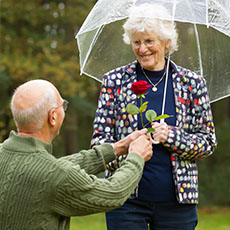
(149, 50)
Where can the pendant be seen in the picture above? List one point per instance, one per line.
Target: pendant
(154, 88)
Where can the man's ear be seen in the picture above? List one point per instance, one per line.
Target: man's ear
(52, 117)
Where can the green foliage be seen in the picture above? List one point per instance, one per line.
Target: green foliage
(214, 172)
(150, 115)
(132, 109)
(151, 130)
(143, 107)
(164, 116)
(37, 41)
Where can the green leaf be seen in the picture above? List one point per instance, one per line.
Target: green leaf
(150, 130)
(132, 109)
(164, 116)
(150, 115)
(143, 107)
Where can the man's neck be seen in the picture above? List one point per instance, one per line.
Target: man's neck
(36, 135)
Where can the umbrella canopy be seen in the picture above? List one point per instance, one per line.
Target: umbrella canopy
(204, 35)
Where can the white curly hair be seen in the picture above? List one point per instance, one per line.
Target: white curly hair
(151, 18)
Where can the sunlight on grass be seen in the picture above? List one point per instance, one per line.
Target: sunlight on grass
(91, 222)
(212, 218)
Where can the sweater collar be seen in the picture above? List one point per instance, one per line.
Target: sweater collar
(26, 144)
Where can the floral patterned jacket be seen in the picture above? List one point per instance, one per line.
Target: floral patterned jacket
(192, 138)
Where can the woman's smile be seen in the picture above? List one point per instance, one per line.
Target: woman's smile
(149, 50)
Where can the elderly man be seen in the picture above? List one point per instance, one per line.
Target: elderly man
(38, 191)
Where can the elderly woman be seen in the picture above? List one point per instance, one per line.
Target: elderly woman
(167, 194)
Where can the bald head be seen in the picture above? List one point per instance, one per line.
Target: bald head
(32, 101)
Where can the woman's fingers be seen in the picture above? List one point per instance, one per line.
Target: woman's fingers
(161, 131)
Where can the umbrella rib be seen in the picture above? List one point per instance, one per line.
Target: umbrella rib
(174, 10)
(198, 47)
(165, 88)
(91, 46)
(197, 41)
(207, 22)
(220, 98)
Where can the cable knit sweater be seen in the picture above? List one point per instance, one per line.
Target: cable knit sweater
(38, 191)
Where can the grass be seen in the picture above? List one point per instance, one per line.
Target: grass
(91, 222)
(214, 218)
(211, 218)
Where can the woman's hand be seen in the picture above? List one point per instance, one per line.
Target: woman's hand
(160, 134)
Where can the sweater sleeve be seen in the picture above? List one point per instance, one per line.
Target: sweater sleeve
(94, 160)
(79, 193)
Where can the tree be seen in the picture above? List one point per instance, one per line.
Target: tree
(37, 41)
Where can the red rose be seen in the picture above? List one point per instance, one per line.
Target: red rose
(140, 87)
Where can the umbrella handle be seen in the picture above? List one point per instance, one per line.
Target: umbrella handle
(155, 142)
(164, 97)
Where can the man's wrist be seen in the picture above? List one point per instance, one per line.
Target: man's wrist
(120, 148)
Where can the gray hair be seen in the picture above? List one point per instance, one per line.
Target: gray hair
(148, 18)
(38, 112)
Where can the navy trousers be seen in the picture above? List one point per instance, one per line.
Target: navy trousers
(143, 215)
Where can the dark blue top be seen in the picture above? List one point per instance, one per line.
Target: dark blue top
(157, 183)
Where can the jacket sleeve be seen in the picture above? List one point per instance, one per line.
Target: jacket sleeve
(196, 139)
(93, 161)
(79, 193)
(104, 122)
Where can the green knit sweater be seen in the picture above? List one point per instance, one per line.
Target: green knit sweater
(38, 191)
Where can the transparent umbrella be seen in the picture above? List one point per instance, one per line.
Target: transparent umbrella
(204, 35)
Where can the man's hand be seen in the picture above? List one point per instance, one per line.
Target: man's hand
(142, 146)
(121, 147)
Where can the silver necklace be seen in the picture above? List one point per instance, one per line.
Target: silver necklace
(154, 88)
